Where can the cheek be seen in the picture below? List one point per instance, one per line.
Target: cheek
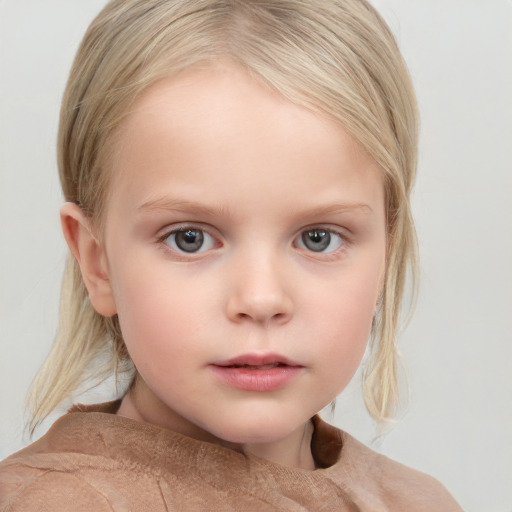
(346, 308)
(165, 315)
(350, 297)
(148, 309)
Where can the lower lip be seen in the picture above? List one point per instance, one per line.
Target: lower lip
(252, 379)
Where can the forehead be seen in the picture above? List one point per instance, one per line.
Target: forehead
(199, 96)
(218, 124)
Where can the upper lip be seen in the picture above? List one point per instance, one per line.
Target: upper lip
(257, 360)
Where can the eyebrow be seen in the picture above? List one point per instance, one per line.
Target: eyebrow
(170, 204)
(178, 205)
(332, 209)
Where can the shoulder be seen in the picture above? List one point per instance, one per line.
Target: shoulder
(92, 459)
(380, 483)
(63, 470)
(399, 486)
(27, 485)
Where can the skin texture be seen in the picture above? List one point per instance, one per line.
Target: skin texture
(217, 151)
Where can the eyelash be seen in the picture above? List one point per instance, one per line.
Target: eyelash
(298, 241)
(323, 238)
(183, 229)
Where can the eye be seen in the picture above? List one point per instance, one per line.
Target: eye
(320, 240)
(189, 240)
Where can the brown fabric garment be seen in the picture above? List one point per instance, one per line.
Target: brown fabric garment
(93, 460)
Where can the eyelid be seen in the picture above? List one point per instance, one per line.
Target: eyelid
(183, 226)
(343, 233)
(337, 231)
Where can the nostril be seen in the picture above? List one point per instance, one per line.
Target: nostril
(259, 301)
(260, 317)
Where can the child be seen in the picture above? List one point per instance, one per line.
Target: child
(237, 178)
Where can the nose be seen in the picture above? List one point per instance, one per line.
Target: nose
(258, 292)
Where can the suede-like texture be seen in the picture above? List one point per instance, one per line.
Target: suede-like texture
(92, 460)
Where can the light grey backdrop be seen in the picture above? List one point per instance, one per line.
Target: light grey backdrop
(458, 348)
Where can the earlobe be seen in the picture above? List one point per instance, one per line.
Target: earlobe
(90, 256)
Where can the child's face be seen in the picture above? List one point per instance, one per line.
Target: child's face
(241, 228)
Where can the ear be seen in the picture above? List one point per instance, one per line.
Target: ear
(90, 256)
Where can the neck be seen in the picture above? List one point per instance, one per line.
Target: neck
(294, 450)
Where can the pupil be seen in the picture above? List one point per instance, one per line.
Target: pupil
(316, 239)
(189, 240)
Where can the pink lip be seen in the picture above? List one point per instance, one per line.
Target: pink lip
(245, 372)
(257, 360)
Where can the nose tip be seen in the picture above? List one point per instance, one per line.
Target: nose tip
(260, 298)
(261, 310)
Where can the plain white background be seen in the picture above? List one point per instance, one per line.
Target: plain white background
(457, 349)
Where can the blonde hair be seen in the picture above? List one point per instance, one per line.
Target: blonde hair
(337, 57)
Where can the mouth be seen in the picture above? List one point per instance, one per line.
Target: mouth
(256, 372)
(258, 362)
(256, 366)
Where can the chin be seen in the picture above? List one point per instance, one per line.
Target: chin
(252, 430)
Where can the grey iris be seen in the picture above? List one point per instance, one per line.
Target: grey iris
(316, 240)
(189, 240)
